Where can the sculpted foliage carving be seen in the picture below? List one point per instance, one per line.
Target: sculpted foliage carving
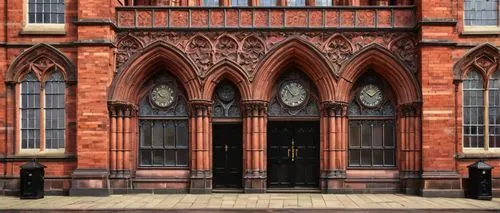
(338, 49)
(252, 51)
(226, 47)
(127, 47)
(405, 49)
(200, 50)
(247, 49)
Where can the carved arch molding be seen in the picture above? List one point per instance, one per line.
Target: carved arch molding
(248, 49)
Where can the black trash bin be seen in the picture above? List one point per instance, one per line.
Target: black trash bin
(480, 181)
(32, 179)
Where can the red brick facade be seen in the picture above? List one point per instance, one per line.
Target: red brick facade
(110, 49)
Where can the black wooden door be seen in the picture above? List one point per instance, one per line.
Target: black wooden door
(227, 155)
(293, 154)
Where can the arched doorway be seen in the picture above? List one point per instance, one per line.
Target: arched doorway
(293, 133)
(227, 133)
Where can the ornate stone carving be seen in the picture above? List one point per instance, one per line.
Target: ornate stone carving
(248, 48)
(338, 49)
(405, 49)
(127, 47)
(41, 64)
(226, 47)
(484, 57)
(252, 51)
(485, 62)
(412, 109)
(199, 49)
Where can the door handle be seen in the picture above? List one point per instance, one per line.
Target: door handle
(226, 148)
(289, 153)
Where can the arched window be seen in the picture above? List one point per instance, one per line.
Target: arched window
(54, 111)
(371, 125)
(30, 112)
(226, 101)
(52, 104)
(494, 110)
(473, 110)
(163, 124)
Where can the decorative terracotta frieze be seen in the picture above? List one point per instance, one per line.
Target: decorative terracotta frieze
(249, 49)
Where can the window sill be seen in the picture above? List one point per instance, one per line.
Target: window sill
(44, 29)
(483, 154)
(481, 30)
(43, 157)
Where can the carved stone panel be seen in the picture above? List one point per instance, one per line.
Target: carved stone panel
(248, 49)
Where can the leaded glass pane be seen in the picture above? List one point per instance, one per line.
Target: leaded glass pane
(267, 3)
(162, 141)
(296, 3)
(226, 101)
(55, 111)
(473, 110)
(323, 2)
(211, 3)
(481, 12)
(239, 2)
(30, 112)
(46, 12)
(377, 148)
(494, 110)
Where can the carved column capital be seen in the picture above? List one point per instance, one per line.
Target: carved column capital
(200, 108)
(411, 109)
(122, 109)
(331, 108)
(254, 108)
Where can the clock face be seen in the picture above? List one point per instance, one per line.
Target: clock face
(370, 95)
(293, 94)
(162, 96)
(226, 93)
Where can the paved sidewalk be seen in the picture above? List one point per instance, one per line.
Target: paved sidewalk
(248, 202)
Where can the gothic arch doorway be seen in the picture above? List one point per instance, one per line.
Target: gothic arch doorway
(293, 133)
(227, 137)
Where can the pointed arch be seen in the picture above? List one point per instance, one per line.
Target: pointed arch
(226, 69)
(299, 53)
(41, 58)
(484, 58)
(154, 58)
(381, 61)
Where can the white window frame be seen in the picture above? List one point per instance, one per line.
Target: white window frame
(486, 146)
(42, 149)
(42, 28)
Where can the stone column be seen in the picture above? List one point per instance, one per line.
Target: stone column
(409, 137)
(122, 138)
(255, 131)
(201, 169)
(334, 139)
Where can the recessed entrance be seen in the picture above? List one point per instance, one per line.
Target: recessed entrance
(227, 155)
(293, 154)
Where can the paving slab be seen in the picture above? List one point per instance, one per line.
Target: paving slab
(271, 202)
